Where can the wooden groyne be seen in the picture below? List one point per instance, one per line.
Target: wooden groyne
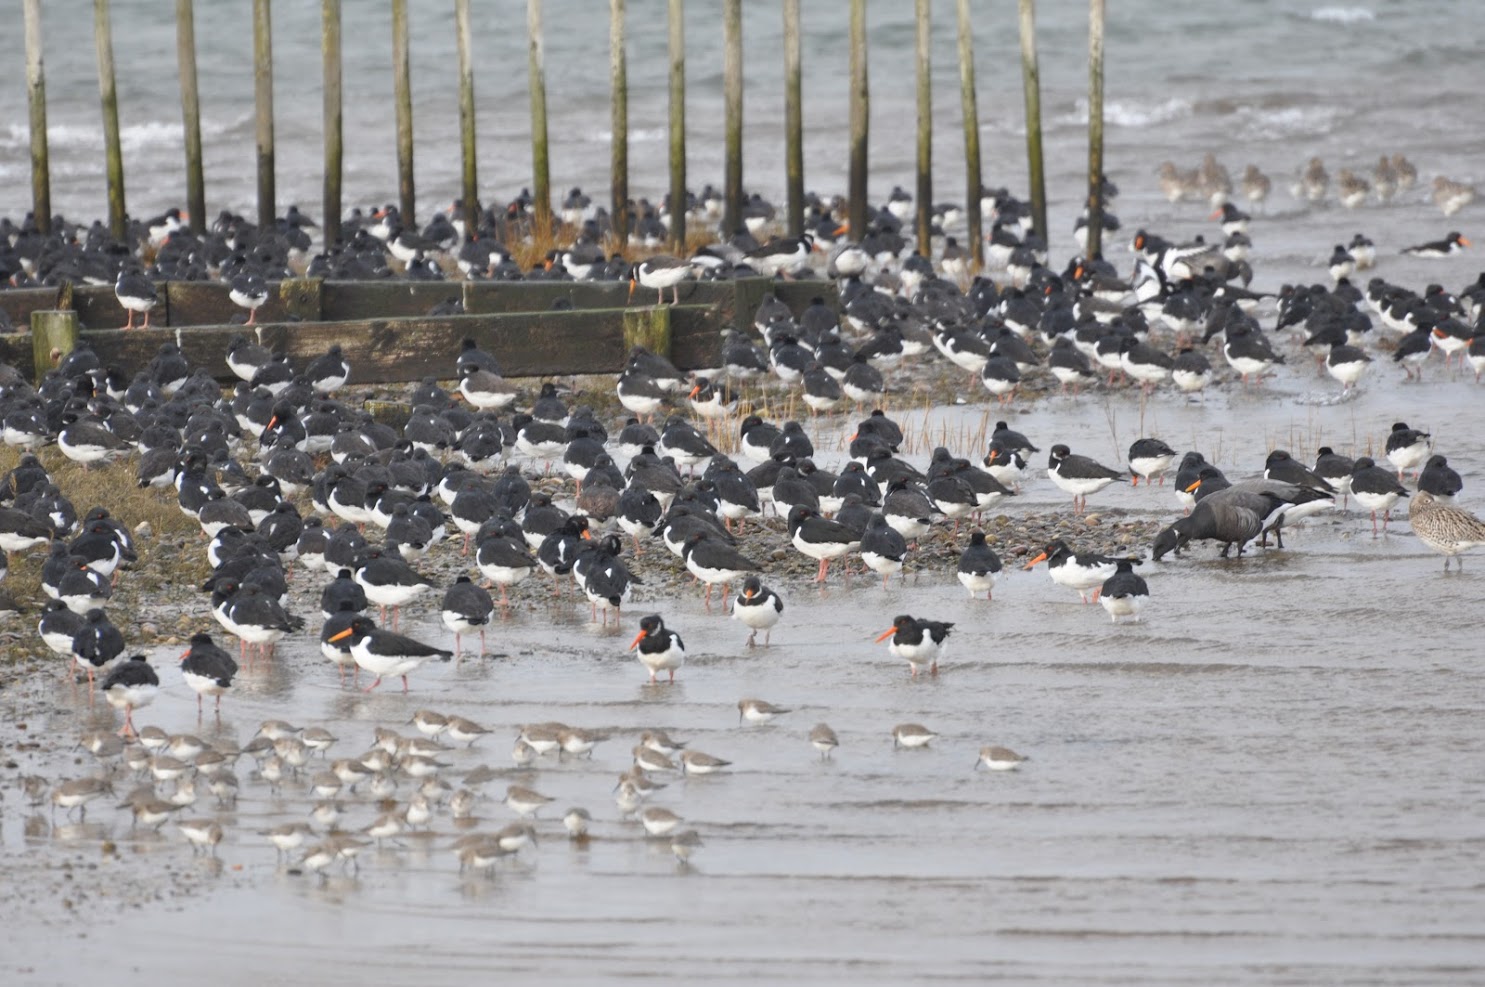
(533, 328)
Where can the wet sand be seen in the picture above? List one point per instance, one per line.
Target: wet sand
(1272, 778)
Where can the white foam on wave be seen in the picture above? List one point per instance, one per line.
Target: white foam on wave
(1131, 113)
(1289, 121)
(643, 135)
(1342, 15)
(132, 137)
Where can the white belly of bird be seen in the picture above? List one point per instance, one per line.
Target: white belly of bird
(977, 582)
(1150, 466)
(882, 565)
(1080, 578)
(202, 684)
(758, 616)
(132, 695)
(1372, 501)
(1122, 606)
(382, 665)
(662, 661)
(393, 594)
(1188, 380)
(1347, 373)
(1247, 365)
(640, 404)
(821, 550)
(914, 739)
(925, 652)
(1079, 486)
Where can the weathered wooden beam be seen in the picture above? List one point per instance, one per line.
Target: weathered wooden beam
(190, 108)
(332, 117)
(53, 335)
(1031, 83)
(793, 122)
(407, 199)
(619, 123)
(541, 174)
(732, 100)
(969, 105)
(468, 156)
(677, 47)
(923, 192)
(859, 118)
(41, 175)
(207, 303)
(1095, 128)
(263, 110)
(113, 148)
(648, 327)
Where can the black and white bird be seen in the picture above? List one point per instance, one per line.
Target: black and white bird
(1407, 448)
(1149, 458)
(1448, 246)
(1079, 475)
(918, 642)
(248, 290)
(820, 538)
(467, 608)
(978, 566)
(129, 686)
(1375, 489)
(660, 648)
(1440, 480)
(1082, 571)
(660, 272)
(758, 608)
(713, 561)
(207, 669)
(1125, 593)
(384, 653)
(135, 293)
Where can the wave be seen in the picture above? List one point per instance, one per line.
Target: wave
(133, 137)
(1342, 15)
(1130, 113)
(642, 135)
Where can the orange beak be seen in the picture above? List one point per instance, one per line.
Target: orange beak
(748, 594)
(1215, 214)
(1192, 488)
(637, 638)
(1464, 242)
(587, 535)
(993, 456)
(886, 634)
(271, 422)
(632, 283)
(342, 635)
(184, 655)
(842, 228)
(1040, 558)
(695, 391)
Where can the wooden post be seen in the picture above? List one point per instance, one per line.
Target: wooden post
(471, 185)
(619, 123)
(407, 203)
(970, 103)
(732, 99)
(793, 121)
(859, 121)
(677, 128)
(648, 327)
(53, 336)
(190, 108)
(41, 177)
(541, 179)
(1095, 128)
(332, 117)
(112, 146)
(1032, 84)
(263, 97)
(924, 190)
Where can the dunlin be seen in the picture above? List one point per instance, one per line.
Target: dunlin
(464, 731)
(659, 740)
(524, 802)
(515, 836)
(327, 814)
(415, 766)
(523, 754)
(577, 821)
(758, 711)
(461, 804)
(325, 785)
(223, 786)
(999, 759)
(824, 740)
(153, 739)
(429, 723)
(418, 812)
(288, 836)
(350, 771)
(149, 811)
(911, 735)
(543, 737)
(578, 742)
(382, 785)
(684, 844)
(481, 854)
(202, 834)
(384, 827)
(318, 739)
(317, 859)
(277, 730)
(697, 763)
(658, 821)
(346, 847)
(648, 760)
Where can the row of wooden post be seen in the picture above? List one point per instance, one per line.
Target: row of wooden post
(857, 204)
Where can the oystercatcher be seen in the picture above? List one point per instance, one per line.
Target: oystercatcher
(1080, 571)
(1124, 593)
(819, 538)
(759, 608)
(1079, 475)
(97, 645)
(504, 561)
(135, 293)
(660, 649)
(466, 608)
(384, 653)
(1439, 479)
(1451, 244)
(978, 566)
(389, 581)
(1375, 489)
(129, 686)
(713, 562)
(883, 548)
(660, 272)
(919, 642)
(1149, 458)
(1407, 447)
(207, 669)
(249, 291)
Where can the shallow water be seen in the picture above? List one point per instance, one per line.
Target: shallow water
(1273, 778)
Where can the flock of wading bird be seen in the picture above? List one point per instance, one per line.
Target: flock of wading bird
(248, 465)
